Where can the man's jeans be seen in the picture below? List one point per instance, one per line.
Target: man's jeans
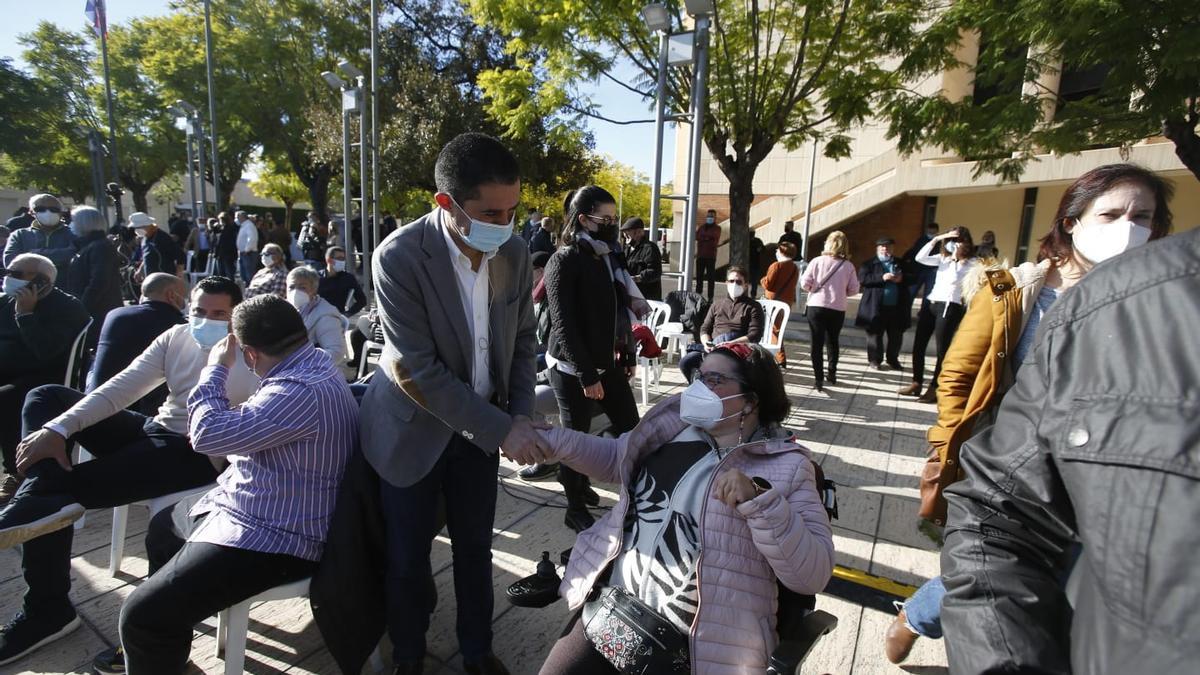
(924, 609)
(248, 265)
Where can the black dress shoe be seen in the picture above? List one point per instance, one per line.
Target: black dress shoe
(579, 520)
(539, 471)
(488, 665)
(590, 496)
(832, 377)
(536, 590)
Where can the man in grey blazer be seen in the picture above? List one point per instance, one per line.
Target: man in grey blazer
(454, 388)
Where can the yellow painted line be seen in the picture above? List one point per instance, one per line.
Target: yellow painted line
(871, 581)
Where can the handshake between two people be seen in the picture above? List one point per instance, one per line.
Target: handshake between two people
(524, 444)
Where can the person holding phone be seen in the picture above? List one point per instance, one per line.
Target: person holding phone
(953, 263)
(38, 323)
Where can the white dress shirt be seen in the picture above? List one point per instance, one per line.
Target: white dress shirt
(951, 271)
(247, 239)
(474, 292)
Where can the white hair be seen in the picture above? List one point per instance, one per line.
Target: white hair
(87, 219)
(305, 275)
(41, 263)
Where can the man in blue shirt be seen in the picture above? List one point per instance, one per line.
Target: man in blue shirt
(159, 252)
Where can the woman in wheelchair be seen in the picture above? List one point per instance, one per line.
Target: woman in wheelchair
(718, 507)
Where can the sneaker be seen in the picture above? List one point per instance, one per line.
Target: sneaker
(30, 515)
(884, 367)
(109, 662)
(539, 472)
(8, 488)
(23, 635)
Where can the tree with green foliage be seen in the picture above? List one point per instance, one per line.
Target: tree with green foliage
(782, 73)
(282, 185)
(1141, 58)
(631, 188)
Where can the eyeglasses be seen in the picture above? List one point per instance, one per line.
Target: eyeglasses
(605, 220)
(43, 209)
(714, 379)
(736, 282)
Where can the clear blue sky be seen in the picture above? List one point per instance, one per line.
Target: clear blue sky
(630, 144)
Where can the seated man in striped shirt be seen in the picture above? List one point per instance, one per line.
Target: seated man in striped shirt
(265, 522)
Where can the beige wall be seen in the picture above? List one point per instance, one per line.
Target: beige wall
(996, 210)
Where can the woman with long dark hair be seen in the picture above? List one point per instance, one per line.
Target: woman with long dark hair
(590, 352)
(1107, 211)
(954, 263)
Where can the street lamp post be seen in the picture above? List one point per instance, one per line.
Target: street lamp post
(349, 103)
(195, 140)
(212, 105)
(658, 20)
(701, 11)
(364, 201)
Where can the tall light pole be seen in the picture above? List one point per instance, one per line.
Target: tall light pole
(364, 206)
(701, 11)
(658, 20)
(812, 184)
(183, 118)
(374, 143)
(212, 105)
(195, 135)
(350, 103)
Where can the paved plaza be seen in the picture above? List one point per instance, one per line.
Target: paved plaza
(867, 438)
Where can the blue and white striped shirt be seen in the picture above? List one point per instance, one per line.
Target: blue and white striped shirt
(287, 447)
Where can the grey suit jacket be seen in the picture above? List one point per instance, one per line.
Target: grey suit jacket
(422, 392)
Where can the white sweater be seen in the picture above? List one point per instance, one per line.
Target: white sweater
(175, 358)
(326, 328)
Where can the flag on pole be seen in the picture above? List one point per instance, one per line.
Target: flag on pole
(98, 15)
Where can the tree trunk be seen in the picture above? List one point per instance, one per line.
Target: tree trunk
(1182, 132)
(287, 214)
(318, 191)
(741, 198)
(139, 193)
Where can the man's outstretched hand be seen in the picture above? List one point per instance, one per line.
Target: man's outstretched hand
(524, 445)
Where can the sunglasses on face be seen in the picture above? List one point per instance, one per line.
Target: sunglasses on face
(45, 209)
(605, 220)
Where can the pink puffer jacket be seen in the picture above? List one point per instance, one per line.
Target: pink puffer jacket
(784, 533)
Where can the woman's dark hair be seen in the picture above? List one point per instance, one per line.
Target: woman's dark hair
(964, 238)
(763, 381)
(737, 269)
(269, 324)
(582, 201)
(218, 285)
(470, 160)
(1090, 186)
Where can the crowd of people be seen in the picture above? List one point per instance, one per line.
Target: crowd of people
(228, 396)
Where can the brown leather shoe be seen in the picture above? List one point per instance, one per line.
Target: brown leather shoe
(930, 396)
(898, 641)
(913, 389)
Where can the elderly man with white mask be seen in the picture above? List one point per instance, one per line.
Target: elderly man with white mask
(46, 236)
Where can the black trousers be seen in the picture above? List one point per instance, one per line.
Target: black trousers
(576, 411)
(706, 269)
(925, 327)
(947, 316)
(465, 476)
(136, 459)
(825, 329)
(12, 398)
(891, 324)
(195, 582)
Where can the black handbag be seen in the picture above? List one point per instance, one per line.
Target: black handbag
(633, 637)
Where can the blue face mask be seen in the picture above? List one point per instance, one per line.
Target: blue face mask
(884, 258)
(208, 332)
(484, 237)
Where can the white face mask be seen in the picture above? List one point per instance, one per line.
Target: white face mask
(339, 265)
(700, 406)
(951, 247)
(13, 284)
(299, 298)
(47, 218)
(735, 290)
(781, 257)
(267, 260)
(1101, 241)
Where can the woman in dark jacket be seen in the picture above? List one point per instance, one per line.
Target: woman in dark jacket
(590, 350)
(94, 275)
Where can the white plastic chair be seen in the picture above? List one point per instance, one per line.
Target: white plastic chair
(771, 311)
(369, 347)
(233, 624)
(652, 367)
(670, 334)
(74, 379)
(120, 518)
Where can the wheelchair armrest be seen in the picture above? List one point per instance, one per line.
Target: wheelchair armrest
(794, 647)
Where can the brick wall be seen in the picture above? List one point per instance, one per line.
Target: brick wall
(900, 219)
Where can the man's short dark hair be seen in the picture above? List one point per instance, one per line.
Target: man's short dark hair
(471, 160)
(329, 252)
(270, 324)
(736, 269)
(215, 285)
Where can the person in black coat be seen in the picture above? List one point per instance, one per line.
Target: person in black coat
(643, 259)
(590, 351)
(94, 275)
(38, 325)
(885, 308)
(225, 246)
(541, 240)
